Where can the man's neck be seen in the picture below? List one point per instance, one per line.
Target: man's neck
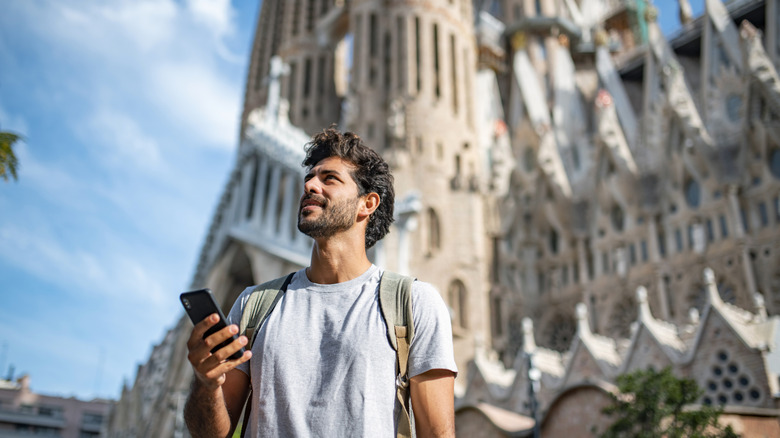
(336, 261)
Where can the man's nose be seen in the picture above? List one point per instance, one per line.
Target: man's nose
(312, 186)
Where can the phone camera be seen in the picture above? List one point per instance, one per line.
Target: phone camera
(186, 303)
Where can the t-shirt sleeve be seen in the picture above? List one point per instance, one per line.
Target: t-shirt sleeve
(431, 346)
(234, 317)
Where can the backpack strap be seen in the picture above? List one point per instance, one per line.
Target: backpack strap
(395, 300)
(259, 305)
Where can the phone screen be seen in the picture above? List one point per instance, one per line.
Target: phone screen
(199, 304)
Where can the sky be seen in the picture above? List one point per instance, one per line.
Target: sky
(130, 112)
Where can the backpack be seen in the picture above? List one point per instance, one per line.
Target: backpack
(395, 301)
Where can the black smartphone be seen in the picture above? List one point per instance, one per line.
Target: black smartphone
(199, 304)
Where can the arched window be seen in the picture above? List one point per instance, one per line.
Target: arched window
(692, 193)
(458, 303)
(434, 231)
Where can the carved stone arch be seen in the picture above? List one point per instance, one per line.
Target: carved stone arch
(238, 276)
(624, 313)
(559, 331)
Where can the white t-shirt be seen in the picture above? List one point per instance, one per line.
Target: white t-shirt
(322, 364)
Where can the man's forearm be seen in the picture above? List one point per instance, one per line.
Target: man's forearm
(205, 413)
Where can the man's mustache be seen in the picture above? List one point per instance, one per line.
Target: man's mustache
(314, 197)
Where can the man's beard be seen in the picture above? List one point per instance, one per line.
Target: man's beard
(334, 217)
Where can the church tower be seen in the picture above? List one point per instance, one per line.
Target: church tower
(401, 74)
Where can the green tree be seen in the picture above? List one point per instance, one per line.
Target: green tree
(8, 161)
(654, 404)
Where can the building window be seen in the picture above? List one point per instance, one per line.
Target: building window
(724, 226)
(498, 325)
(458, 303)
(692, 193)
(690, 237)
(643, 250)
(553, 241)
(776, 203)
(632, 254)
(617, 217)
(678, 240)
(763, 213)
(454, 70)
(436, 63)
(418, 57)
(307, 77)
(434, 232)
(401, 28)
(373, 44)
(774, 162)
(710, 231)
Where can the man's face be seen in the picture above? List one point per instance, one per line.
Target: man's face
(330, 199)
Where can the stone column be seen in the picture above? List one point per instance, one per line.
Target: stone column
(285, 230)
(740, 235)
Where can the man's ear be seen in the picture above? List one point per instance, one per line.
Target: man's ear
(370, 203)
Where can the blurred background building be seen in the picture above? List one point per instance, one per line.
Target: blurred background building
(588, 196)
(24, 413)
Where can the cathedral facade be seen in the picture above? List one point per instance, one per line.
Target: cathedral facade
(588, 196)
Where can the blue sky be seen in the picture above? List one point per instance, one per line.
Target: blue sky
(130, 112)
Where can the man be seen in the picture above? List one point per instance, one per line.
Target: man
(321, 363)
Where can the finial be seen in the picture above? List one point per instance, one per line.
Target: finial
(583, 327)
(644, 306)
(758, 299)
(711, 287)
(277, 69)
(693, 315)
(529, 343)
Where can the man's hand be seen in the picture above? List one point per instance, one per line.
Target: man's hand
(218, 390)
(433, 402)
(210, 369)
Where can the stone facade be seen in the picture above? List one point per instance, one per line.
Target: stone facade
(549, 156)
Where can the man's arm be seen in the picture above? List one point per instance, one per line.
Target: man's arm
(433, 402)
(218, 390)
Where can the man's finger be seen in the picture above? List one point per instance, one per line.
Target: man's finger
(200, 328)
(225, 352)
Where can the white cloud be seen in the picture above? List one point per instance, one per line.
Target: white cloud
(198, 99)
(111, 270)
(217, 15)
(120, 141)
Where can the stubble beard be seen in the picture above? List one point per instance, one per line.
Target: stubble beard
(335, 217)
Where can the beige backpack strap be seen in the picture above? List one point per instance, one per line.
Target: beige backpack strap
(259, 305)
(395, 300)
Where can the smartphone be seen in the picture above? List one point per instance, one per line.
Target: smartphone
(199, 304)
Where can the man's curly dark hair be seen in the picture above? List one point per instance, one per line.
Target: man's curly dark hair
(371, 174)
